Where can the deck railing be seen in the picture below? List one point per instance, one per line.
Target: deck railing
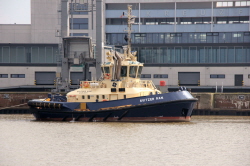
(134, 84)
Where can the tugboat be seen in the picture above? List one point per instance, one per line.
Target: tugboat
(118, 96)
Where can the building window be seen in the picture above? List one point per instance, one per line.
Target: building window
(3, 75)
(224, 4)
(242, 3)
(217, 75)
(78, 9)
(244, 20)
(140, 38)
(246, 33)
(165, 21)
(164, 54)
(188, 37)
(222, 20)
(160, 76)
(120, 21)
(197, 21)
(79, 23)
(151, 21)
(146, 76)
(182, 20)
(212, 34)
(175, 34)
(186, 21)
(17, 75)
(232, 20)
(30, 53)
(79, 34)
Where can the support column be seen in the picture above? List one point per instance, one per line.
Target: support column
(99, 36)
(175, 17)
(64, 33)
(212, 16)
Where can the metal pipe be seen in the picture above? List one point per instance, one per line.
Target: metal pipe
(175, 17)
(99, 36)
(212, 17)
(139, 18)
(71, 9)
(118, 67)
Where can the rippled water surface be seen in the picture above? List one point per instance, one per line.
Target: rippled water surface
(205, 141)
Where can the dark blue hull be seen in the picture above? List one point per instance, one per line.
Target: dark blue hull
(175, 106)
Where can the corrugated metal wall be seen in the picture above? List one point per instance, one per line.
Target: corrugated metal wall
(45, 78)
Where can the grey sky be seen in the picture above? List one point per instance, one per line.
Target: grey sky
(15, 11)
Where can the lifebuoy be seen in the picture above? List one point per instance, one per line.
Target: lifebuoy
(86, 84)
(107, 76)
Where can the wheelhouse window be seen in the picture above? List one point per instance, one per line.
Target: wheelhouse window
(124, 71)
(132, 71)
(139, 72)
(106, 69)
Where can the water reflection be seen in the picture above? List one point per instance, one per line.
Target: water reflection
(206, 140)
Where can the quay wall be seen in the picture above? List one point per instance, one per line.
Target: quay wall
(207, 104)
(222, 104)
(16, 102)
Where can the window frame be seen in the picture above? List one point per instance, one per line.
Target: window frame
(160, 76)
(3, 75)
(17, 75)
(145, 75)
(217, 76)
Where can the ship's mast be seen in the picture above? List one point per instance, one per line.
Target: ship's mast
(131, 20)
(129, 27)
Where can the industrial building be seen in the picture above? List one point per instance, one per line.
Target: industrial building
(201, 44)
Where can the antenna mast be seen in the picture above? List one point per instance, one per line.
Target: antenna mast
(130, 18)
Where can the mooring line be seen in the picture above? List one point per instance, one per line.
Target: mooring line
(13, 106)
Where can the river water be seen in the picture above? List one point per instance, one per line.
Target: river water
(206, 141)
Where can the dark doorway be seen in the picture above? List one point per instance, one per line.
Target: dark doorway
(76, 77)
(238, 80)
(45, 78)
(189, 78)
